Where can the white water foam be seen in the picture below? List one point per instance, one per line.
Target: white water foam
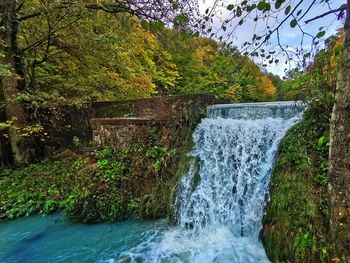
(221, 200)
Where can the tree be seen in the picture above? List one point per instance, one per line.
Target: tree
(12, 80)
(339, 153)
(59, 15)
(267, 44)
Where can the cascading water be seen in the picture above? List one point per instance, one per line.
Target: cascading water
(221, 200)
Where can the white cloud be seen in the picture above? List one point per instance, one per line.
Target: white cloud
(288, 36)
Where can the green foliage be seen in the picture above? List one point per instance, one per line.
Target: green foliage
(72, 56)
(137, 181)
(76, 141)
(320, 76)
(39, 188)
(207, 67)
(105, 186)
(296, 221)
(4, 70)
(293, 145)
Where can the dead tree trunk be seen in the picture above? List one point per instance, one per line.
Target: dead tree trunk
(339, 155)
(12, 82)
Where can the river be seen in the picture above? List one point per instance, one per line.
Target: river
(219, 202)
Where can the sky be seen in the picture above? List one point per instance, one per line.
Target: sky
(290, 38)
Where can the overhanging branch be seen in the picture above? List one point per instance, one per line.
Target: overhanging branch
(340, 9)
(29, 16)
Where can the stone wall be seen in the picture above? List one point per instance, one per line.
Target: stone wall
(122, 132)
(116, 122)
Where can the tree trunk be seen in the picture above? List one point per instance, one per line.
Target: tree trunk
(11, 83)
(339, 155)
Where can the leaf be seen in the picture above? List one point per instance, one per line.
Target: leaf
(293, 23)
(240, 22)
(320, 34)
(158, 25)
(267, 7)
(278, 4)
(251, 7)
(230, 7)
(182, 18)
(287, 10)
(239, 11)
(144, 24)
(261, 5)
(299, 12)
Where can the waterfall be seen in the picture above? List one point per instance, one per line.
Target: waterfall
(221, 200)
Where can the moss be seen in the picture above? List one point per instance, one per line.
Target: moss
(196, 178)
(296, 220)
(159, 202)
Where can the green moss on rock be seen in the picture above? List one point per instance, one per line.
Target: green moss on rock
(296, 220)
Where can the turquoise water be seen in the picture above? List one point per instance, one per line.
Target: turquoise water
(51, 239)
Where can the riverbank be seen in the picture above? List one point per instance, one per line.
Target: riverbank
(107, 184)
(297, 216)
(110, 185)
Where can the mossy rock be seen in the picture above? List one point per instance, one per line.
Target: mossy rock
(296, 219)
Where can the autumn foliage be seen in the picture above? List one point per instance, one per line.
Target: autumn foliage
(72, 57)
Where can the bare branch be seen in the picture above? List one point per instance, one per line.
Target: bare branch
(29, 16)
(340, 9)
(267, 36)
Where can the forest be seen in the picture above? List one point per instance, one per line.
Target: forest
(102, 109)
